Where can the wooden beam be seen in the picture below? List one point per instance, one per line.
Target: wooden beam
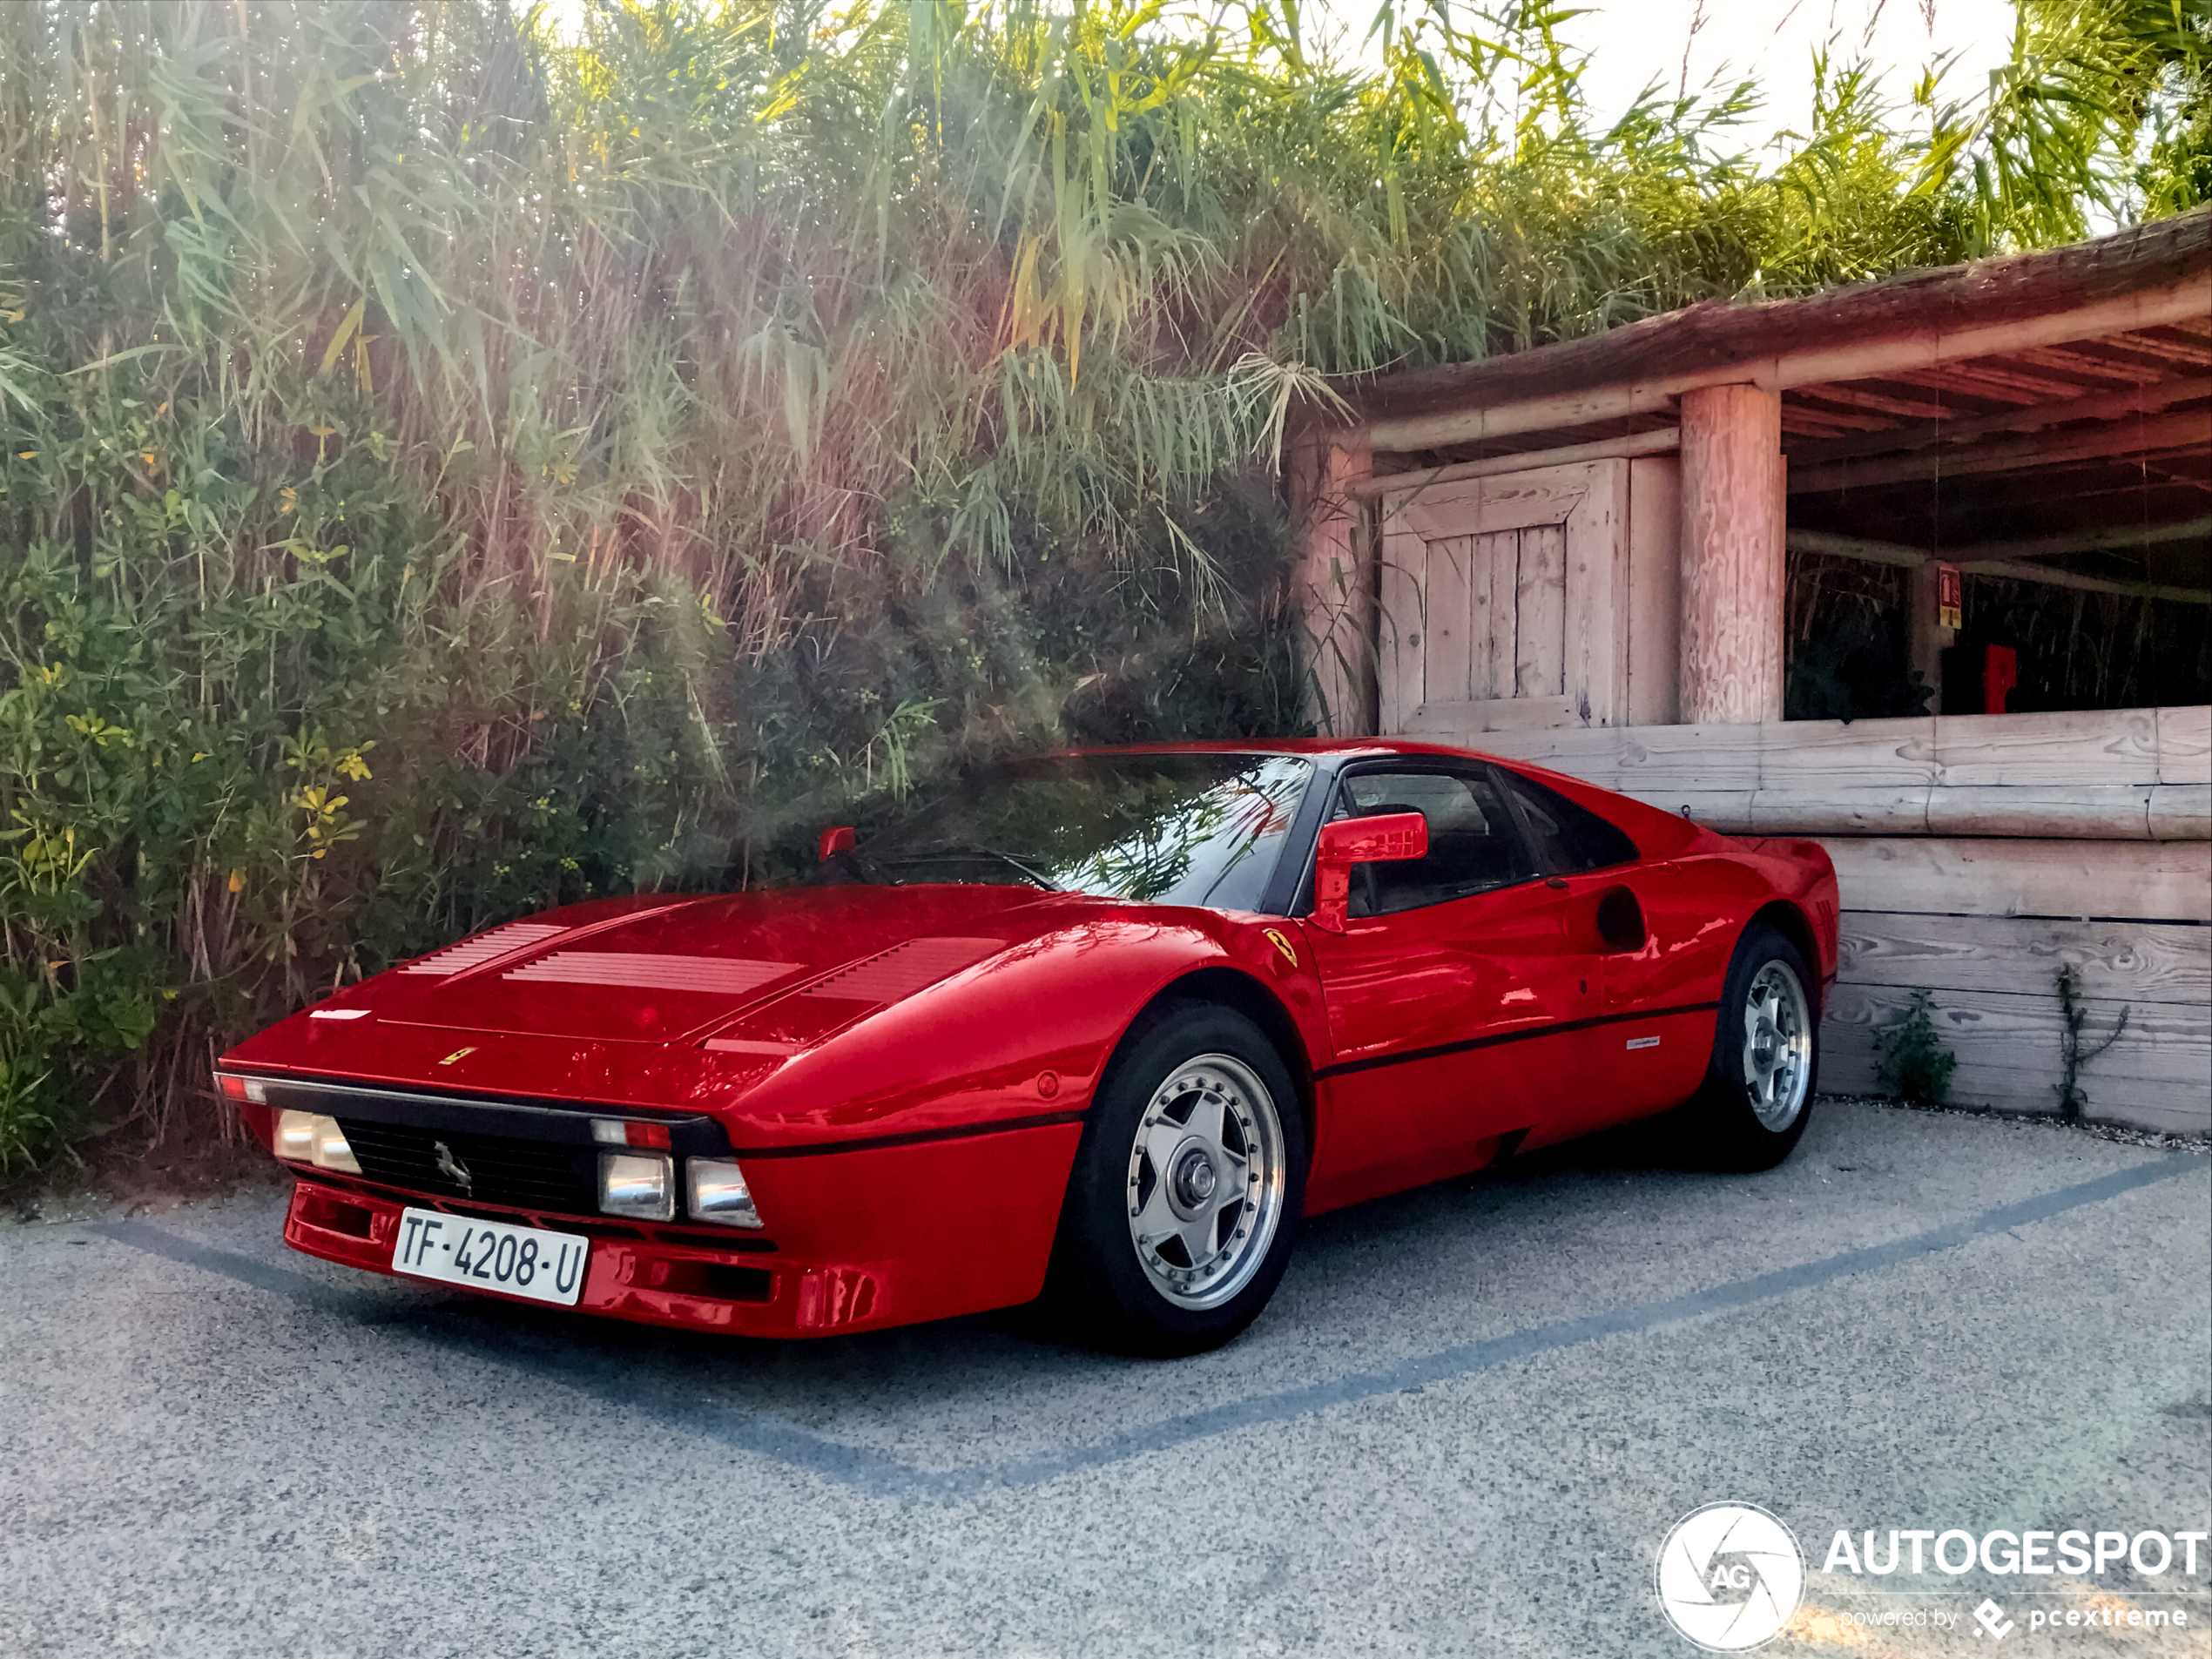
(1613, 375)
(1871, 552)
(2043, 547)
(2130, 880)
(1662, 441)
(2184, 430)
(2145, 961)
(1988, 378)
(1855, 397)
(1866, 551)
(1733, 572)
(2057, 752)
(2168, 350)
(2012, 570)
(2099, 283)
(2098, 360)
(2105, 406)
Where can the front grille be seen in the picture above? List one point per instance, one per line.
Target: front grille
(525, 1174)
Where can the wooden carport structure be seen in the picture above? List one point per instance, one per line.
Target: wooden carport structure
(1579, 555)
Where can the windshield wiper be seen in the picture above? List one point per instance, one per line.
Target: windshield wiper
(966, 852)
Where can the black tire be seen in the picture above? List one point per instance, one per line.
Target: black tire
(1732, 1118)
(1102, 1288)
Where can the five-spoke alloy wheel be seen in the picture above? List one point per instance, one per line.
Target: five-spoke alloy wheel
(1757, 1095)
(1778, 1045)
(1205, 1181)
(1186, 1188)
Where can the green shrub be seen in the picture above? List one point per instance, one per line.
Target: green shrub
(1914, 1062)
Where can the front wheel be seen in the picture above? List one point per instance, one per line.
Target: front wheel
(1185, 1193)
(1757, 1094)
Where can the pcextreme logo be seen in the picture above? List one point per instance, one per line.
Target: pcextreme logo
(1730, 1576)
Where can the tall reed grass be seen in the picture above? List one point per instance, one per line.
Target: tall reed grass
(450, 466)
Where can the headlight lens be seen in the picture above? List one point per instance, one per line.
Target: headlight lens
(718, 1193)
(639, 1185)
(311, 1138)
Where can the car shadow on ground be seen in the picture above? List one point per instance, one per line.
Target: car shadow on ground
(812, 1382)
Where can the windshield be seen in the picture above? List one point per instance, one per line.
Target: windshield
(1182, 829)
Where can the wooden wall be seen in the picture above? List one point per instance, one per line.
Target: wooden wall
(1976, 854)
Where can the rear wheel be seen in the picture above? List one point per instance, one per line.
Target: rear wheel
(1185, 1194)
(1757, 1094)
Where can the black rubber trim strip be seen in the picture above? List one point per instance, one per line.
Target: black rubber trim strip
(693, 1134)
(1285, 885)
(965, 1131)
(1558, 1027)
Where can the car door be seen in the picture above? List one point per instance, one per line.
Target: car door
(1645, 1049)
(1450, 970)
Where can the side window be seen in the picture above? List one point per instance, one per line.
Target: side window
(1473, 845)
(1569, 838)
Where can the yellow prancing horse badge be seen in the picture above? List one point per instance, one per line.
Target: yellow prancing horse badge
(1282, 945)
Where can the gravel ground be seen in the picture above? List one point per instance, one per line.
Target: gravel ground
(1465, 1426)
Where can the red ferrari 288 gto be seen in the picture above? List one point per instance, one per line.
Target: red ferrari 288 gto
(1102, 1027)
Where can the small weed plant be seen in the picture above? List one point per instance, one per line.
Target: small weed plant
(2075, 1052)
(1914, 1063)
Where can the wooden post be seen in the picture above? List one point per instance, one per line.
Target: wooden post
(1927, 639)
(1335, 583)
(1732, 573)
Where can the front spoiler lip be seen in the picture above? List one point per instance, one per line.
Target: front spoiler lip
(644, 1281)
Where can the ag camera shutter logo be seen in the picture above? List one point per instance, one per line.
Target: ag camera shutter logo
(1730, 1576)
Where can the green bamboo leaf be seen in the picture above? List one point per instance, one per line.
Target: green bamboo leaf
(344, 332)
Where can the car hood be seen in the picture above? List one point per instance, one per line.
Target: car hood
(761, 972)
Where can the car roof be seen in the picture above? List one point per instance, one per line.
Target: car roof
(1333, 747)
(1328, 748)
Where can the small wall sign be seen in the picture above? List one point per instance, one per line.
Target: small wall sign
(1951, 595)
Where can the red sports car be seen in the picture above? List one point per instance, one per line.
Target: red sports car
(1102, 1025)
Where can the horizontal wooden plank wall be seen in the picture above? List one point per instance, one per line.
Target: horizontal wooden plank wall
(2123, 774)
(1992, 876)
(1994, 984)
(1976, 856)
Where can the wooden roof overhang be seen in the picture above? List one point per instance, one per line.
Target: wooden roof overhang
(2055, 407)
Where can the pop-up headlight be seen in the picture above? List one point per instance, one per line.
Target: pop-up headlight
(310, 1138)
(640, 1185)
(718, 1193)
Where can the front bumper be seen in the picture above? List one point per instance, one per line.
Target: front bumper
(889, 1230)
(634, 1272)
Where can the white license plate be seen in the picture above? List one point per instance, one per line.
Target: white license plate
(492, 1255)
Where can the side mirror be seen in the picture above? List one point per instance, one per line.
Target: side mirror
(1384, 839)
(834, 841)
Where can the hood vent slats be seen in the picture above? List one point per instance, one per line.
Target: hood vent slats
(474, 953)
(904, 969)
(652, 971)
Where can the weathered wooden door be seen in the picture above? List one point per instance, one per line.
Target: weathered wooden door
(1504, 602)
